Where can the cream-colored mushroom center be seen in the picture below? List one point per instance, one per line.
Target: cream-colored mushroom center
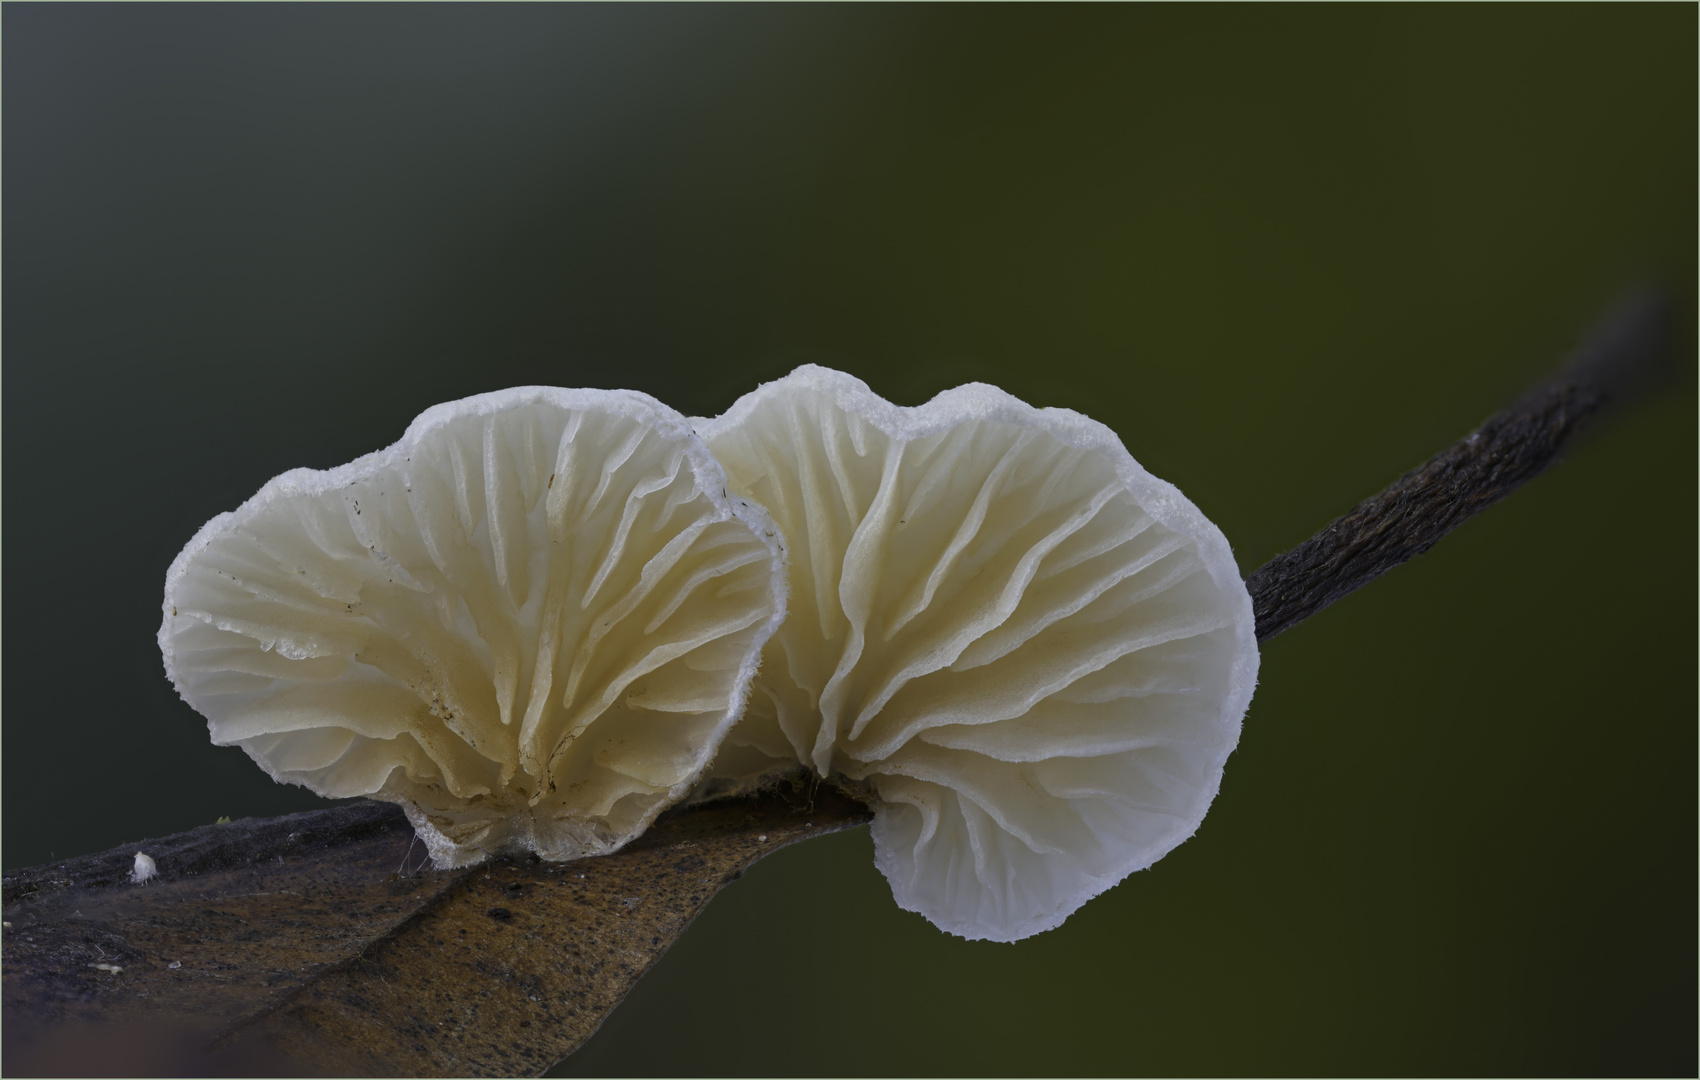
(530, 625)
(1036, 674)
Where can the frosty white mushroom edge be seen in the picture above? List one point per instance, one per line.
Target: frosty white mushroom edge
(1029, 655)
(529, 622)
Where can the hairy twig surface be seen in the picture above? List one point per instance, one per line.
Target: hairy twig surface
(1509, 449)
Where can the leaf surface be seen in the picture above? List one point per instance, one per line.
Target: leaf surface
(314, 941)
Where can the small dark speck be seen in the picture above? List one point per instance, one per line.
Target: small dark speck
(500, 914)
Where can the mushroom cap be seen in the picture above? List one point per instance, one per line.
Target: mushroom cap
(1033, 654)
(529, 622)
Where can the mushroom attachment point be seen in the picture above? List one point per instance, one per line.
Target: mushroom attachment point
(1028, 653)
(529, 622)
(143, 870)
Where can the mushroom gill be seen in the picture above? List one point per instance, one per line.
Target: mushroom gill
(1029, 653)
(529, 622)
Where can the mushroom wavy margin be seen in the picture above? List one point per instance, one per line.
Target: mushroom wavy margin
(1028, 654)
(529, 622)
(545, 615)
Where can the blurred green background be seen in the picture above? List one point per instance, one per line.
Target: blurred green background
(1286, 252)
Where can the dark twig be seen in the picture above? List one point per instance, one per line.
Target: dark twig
(1425, 504)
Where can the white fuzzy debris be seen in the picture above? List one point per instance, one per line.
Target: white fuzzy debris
(175, 964)
(529, 622)
(113, 968)
(144, 871)
(1032, 654)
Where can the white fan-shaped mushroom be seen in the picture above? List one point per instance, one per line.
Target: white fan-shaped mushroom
(529, 622)
(1030, 652)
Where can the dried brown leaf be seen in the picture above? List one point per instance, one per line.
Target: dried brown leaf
(310, 944)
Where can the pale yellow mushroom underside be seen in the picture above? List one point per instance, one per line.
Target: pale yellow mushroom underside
(1032, 653)
(529, 622)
